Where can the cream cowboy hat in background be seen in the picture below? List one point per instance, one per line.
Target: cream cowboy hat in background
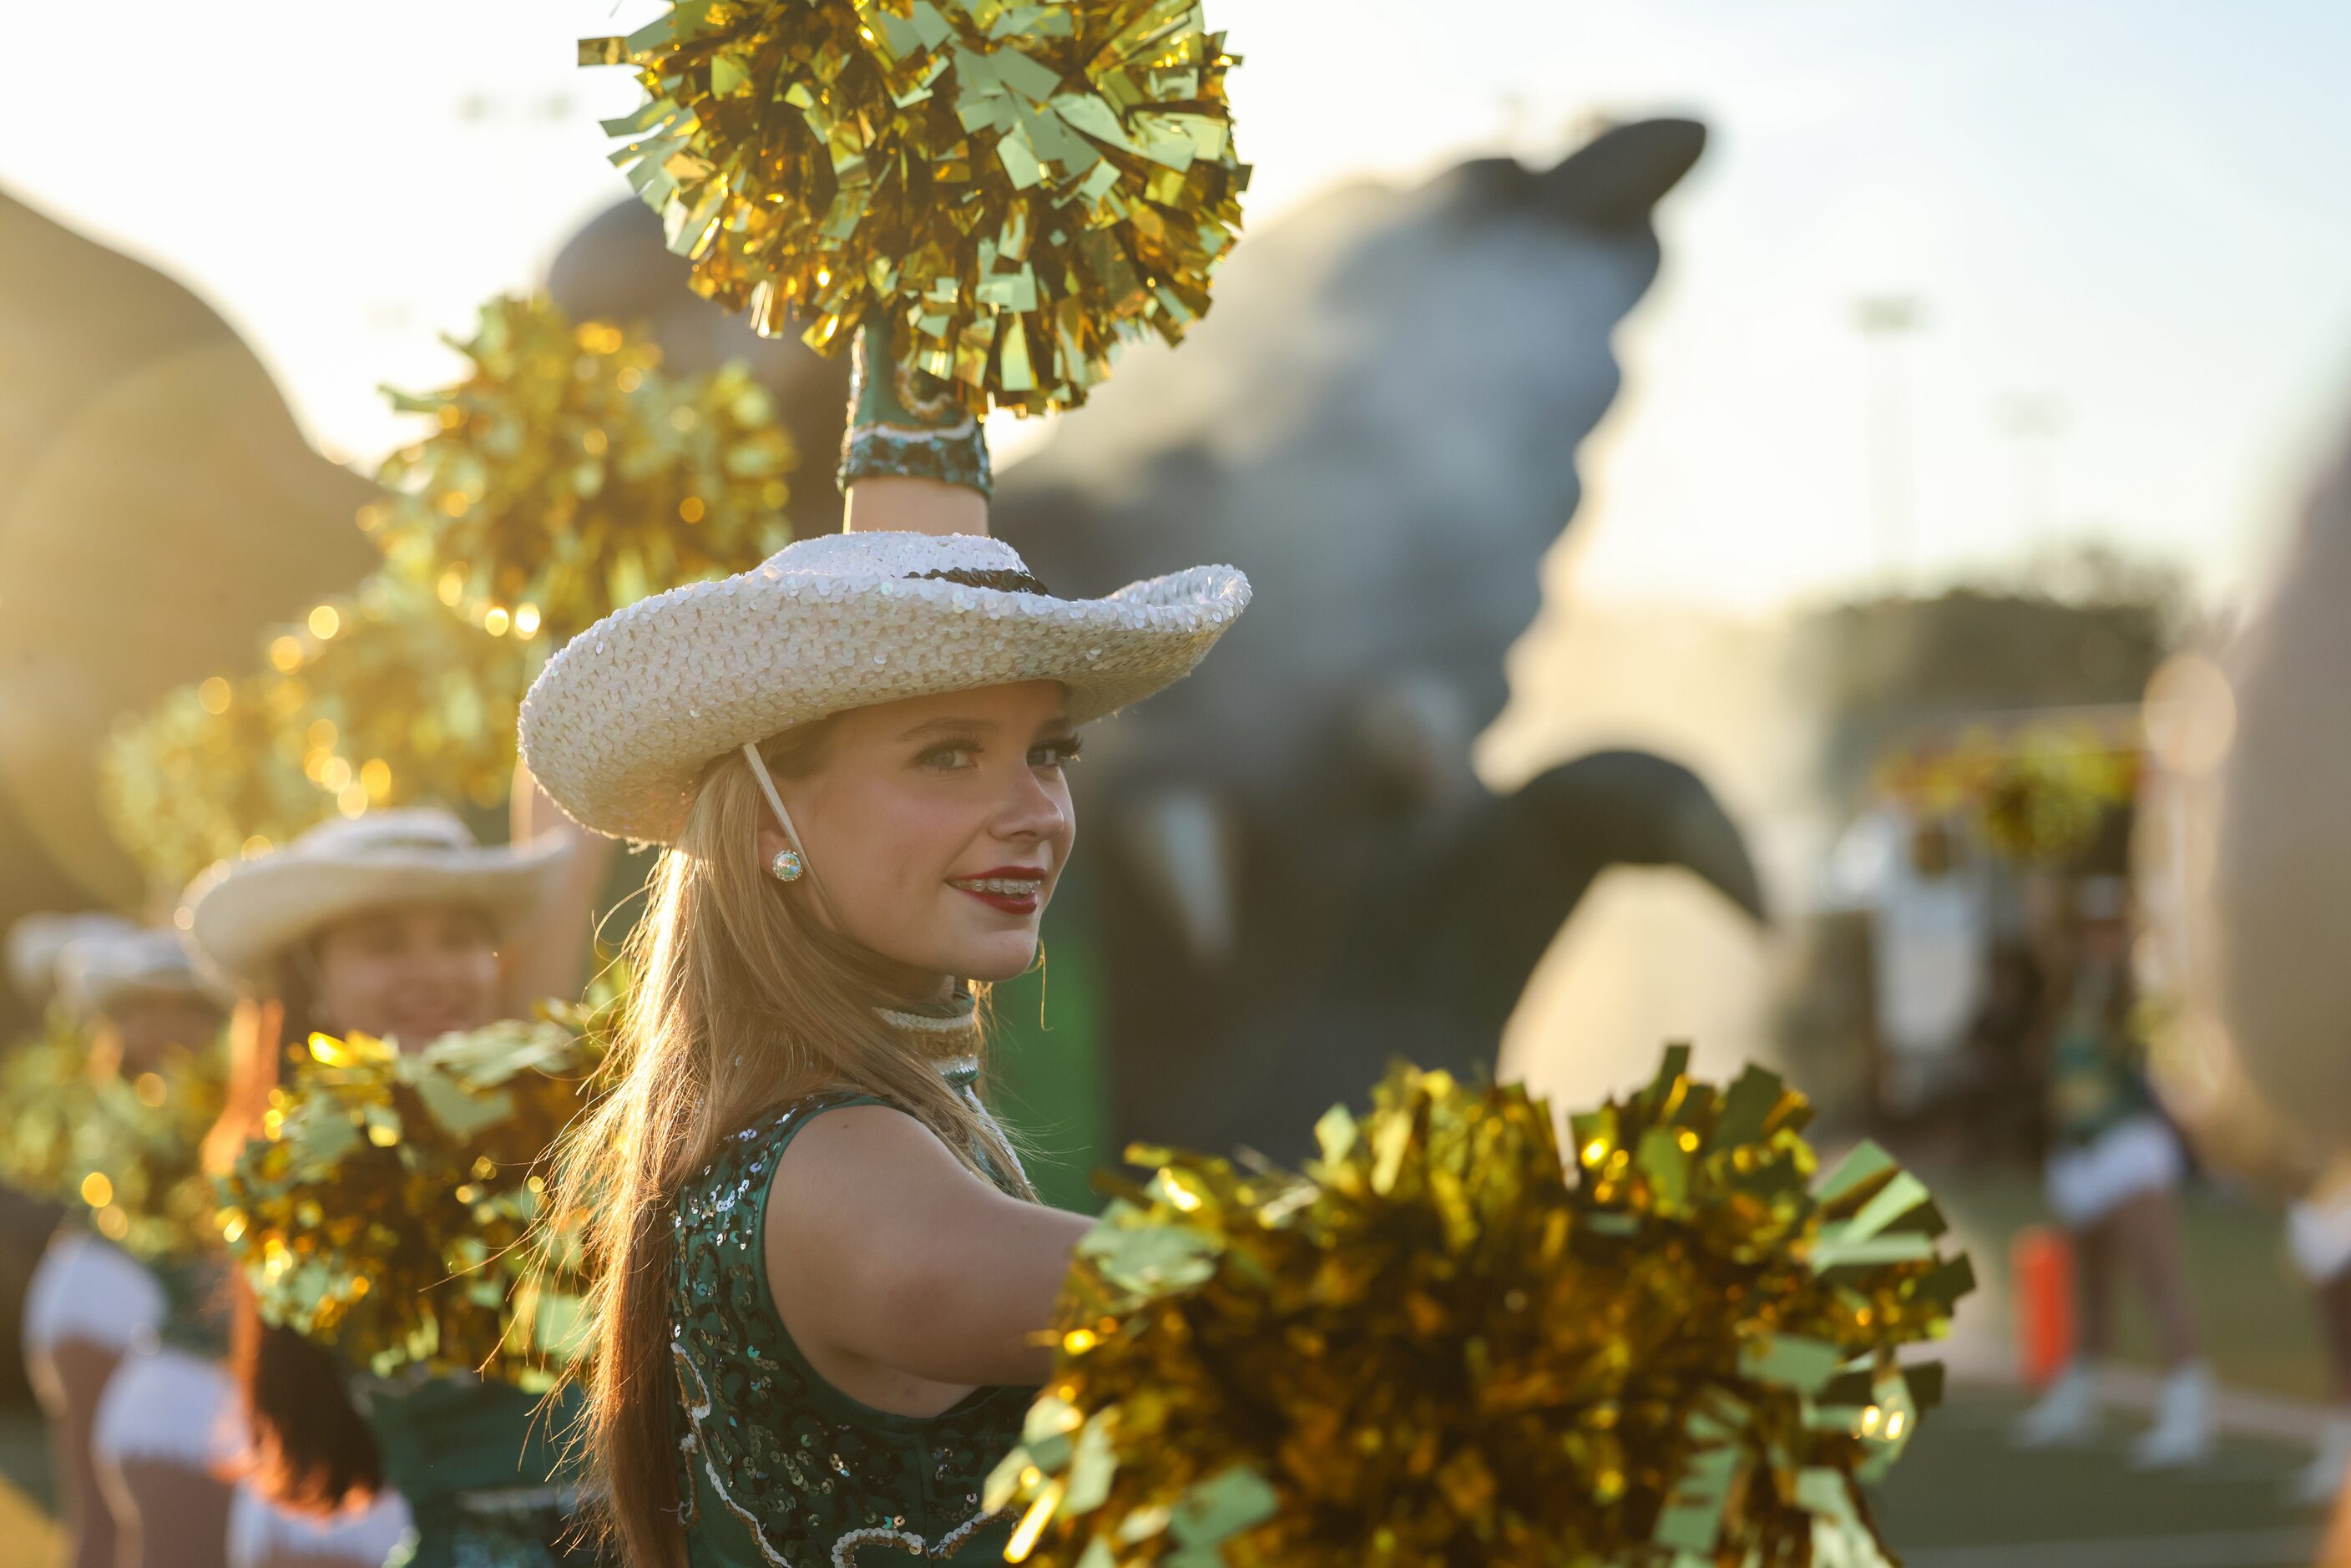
(38, 941)
(620, 725)
(241, 915)
(98, 972)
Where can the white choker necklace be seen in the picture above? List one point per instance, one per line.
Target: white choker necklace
(959, 1014)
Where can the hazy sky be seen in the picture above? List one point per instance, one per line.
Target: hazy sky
(2127, 221)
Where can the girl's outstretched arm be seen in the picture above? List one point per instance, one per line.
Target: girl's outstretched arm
(886, 1254)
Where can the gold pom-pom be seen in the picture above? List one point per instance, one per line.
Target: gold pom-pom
(388, 1209)
(565, 476)
(1443, 1345)
(145, 1143)
(210, 771)
(2046, 798)
(400, 698)
(47, 1096)
(124, 1150)
(1016, 187)
(2038, 796)
(382, 699)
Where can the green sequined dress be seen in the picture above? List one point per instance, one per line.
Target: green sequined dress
(477, 1462)
(195, 1304)
(2098, 1074)
(780, 1468)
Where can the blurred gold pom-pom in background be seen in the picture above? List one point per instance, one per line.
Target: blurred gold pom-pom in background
(565, 475)
(394, 1208)
(382, 699)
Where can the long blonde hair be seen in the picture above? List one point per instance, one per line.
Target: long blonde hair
(743, 1001)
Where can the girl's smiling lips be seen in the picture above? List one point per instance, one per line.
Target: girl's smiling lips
(1013, 889)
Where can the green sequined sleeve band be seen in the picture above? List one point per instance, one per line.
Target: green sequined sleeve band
(906, 423)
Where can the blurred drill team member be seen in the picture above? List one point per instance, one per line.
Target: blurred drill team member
(87, 1302)
(396, 924)
(2318, 1231)
(161, 1432)
(2113, 1181)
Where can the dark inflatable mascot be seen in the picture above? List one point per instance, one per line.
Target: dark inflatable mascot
(1298, 875)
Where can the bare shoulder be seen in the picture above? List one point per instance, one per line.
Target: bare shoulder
(859, 1174)
(874, 1226)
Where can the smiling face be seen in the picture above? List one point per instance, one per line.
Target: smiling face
(937, 827)
(410, 972)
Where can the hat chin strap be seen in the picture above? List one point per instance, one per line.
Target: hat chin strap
(776, 801)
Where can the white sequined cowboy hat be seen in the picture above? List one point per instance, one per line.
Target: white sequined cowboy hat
(99, 971)
(241, 915)
(621, 725)
(37, 942)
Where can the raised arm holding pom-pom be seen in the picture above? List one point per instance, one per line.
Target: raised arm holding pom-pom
(821, 1269)
(810, 1227)
(913, 460)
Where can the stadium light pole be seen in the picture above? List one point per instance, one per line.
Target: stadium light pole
(1884, 319)
(2034, 421)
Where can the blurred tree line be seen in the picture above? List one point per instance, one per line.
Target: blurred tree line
(2079, 626)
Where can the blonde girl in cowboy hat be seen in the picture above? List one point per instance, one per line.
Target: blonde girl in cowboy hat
(88, 1304)
(818, 1261)
(398, 924)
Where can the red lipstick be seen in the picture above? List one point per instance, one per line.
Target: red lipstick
(1013, 889)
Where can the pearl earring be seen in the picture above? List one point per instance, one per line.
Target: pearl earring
(787, 867)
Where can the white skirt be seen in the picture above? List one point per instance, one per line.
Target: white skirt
(259, 1532)
(2318, 1233)
(84, 1289)
(2086, 1184)
(166, 1405)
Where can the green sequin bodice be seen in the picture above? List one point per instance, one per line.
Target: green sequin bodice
(480, 1465)
(2096, 1075)
(780, 1468)
(195, 1304)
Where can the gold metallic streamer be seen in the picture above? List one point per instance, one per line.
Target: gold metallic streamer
(403, 699)
(2039, 795)
(565, 475)
(380, 699)
(2045, 800)
(210, 771)
(1442, 1345)
(390, 1206)
(123, 1150)
(48, 1096)
(1017, 186)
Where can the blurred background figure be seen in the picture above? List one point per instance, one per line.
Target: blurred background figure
(394, 925)
(36, 941)
(88, 1305)
(2318, 1226)
(162, 1438)
(2113, 1175)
